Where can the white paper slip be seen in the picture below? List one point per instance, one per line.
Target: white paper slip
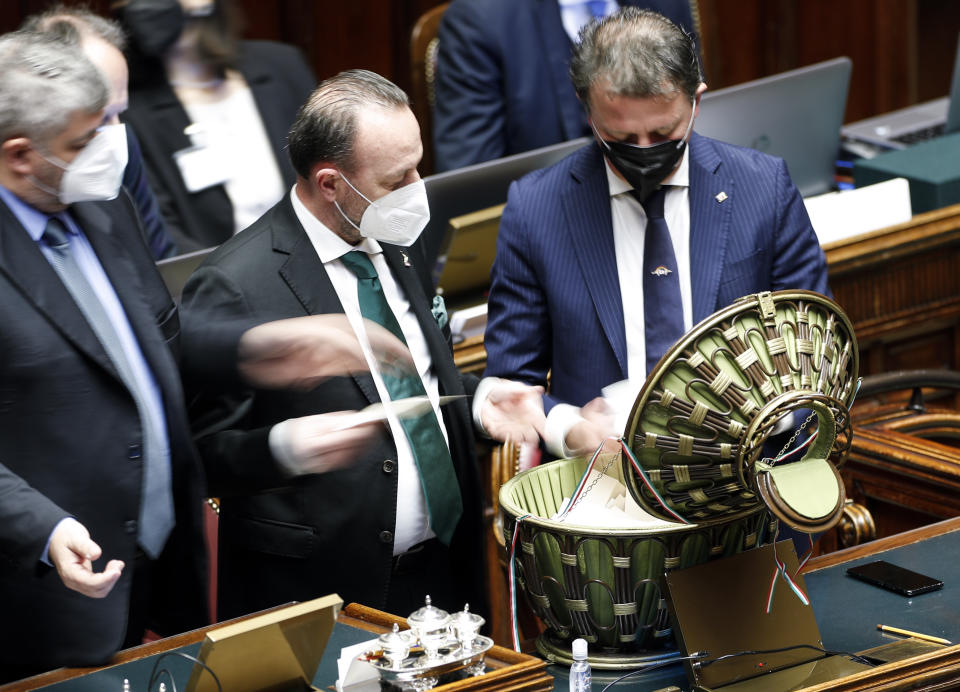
(354, 674)
(410, 407)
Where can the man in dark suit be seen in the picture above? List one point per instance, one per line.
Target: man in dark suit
(93, 434)
(502, 81)
(572, 293)
(401, 520)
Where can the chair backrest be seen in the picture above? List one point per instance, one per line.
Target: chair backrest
(423, 61)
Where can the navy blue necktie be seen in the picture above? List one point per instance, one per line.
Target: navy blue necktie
(437, 475)
(662, 306)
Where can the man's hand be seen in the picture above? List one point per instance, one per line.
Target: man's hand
(302, 351)
(595, 429)
(514, 412)
(72, 553)
(313, 444)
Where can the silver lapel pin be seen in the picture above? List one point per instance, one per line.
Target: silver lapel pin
(721, 196)
(406, 260)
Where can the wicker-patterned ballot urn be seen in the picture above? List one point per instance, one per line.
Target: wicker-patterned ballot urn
(771, 361)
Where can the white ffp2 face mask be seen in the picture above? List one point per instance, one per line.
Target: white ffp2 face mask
(398, 217)
(97, 171)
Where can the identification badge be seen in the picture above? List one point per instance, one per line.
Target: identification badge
(201, 168)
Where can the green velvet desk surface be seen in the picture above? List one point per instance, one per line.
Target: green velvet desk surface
(847, 613)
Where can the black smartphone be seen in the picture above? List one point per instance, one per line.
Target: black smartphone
(894, 578)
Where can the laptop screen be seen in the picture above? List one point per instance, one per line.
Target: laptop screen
(720, 607)
(796, 115)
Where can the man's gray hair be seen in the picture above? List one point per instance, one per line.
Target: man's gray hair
(636, 53)
(43, 83)
(326, 125)
(73, 24)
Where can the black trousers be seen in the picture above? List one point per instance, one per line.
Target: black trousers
(424, 570)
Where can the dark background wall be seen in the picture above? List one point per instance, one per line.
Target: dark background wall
(902, 50)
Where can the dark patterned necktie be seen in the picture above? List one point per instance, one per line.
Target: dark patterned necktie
(156, 505)
(437, 476)
(662, 306)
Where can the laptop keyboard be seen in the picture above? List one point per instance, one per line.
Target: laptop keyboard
(921, 135)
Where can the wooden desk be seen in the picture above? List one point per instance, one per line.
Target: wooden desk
(506, 669)
(900, 287)
(846, 610)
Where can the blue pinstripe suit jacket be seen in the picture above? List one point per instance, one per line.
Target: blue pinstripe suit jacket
(555, 301)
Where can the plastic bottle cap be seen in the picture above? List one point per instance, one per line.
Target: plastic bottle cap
(579, 649)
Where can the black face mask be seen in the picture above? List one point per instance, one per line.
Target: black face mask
(646, 167)
(154, 25)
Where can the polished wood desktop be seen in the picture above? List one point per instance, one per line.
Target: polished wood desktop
(506, 669)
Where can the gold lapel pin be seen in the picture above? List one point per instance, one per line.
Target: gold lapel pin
(721, 196)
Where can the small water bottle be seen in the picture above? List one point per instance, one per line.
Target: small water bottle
(580, 670)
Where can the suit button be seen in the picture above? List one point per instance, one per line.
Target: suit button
(130, 526)
(386, 536)
(388, 466)
(134, 451)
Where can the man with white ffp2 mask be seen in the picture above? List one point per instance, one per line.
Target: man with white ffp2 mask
(402, 518)
(96, 172)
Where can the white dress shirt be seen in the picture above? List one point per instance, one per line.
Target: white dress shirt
(629, 228)
(412, 523)
(233, 131)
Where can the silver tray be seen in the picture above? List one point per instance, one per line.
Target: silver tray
(421, 672)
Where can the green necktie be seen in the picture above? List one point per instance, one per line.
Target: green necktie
(430, 451)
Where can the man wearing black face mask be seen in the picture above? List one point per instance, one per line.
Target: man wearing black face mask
(607, 258)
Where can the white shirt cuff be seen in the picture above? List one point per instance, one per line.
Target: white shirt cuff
(45, 556)
(480, 398)
(560, 420)
(281, 448)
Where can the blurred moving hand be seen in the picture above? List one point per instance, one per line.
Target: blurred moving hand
(595, 429)
(514, 411)
(317, 444)
(300, 352)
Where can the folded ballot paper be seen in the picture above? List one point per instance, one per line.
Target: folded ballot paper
(606, 503)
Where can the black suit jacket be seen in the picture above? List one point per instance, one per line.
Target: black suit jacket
(69, 442)
(280, 81)
(304, 537)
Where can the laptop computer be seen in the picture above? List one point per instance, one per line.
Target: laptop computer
(795, 115)
(176, 270)
(472, 188)
(901, 128)
(720, 608)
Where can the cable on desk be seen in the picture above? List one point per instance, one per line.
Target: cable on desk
(853, 657)
(156, 674)
(700, 655)
(696, 656)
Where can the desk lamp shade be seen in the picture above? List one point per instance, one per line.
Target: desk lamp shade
(701, 436)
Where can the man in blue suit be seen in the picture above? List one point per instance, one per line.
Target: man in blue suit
(502, 82)
(572, 292)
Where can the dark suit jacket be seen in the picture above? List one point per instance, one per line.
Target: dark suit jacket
(307, 536)
(135, 181)
(503, 81)
(280, 81)
(555, 301)
(70, 439)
